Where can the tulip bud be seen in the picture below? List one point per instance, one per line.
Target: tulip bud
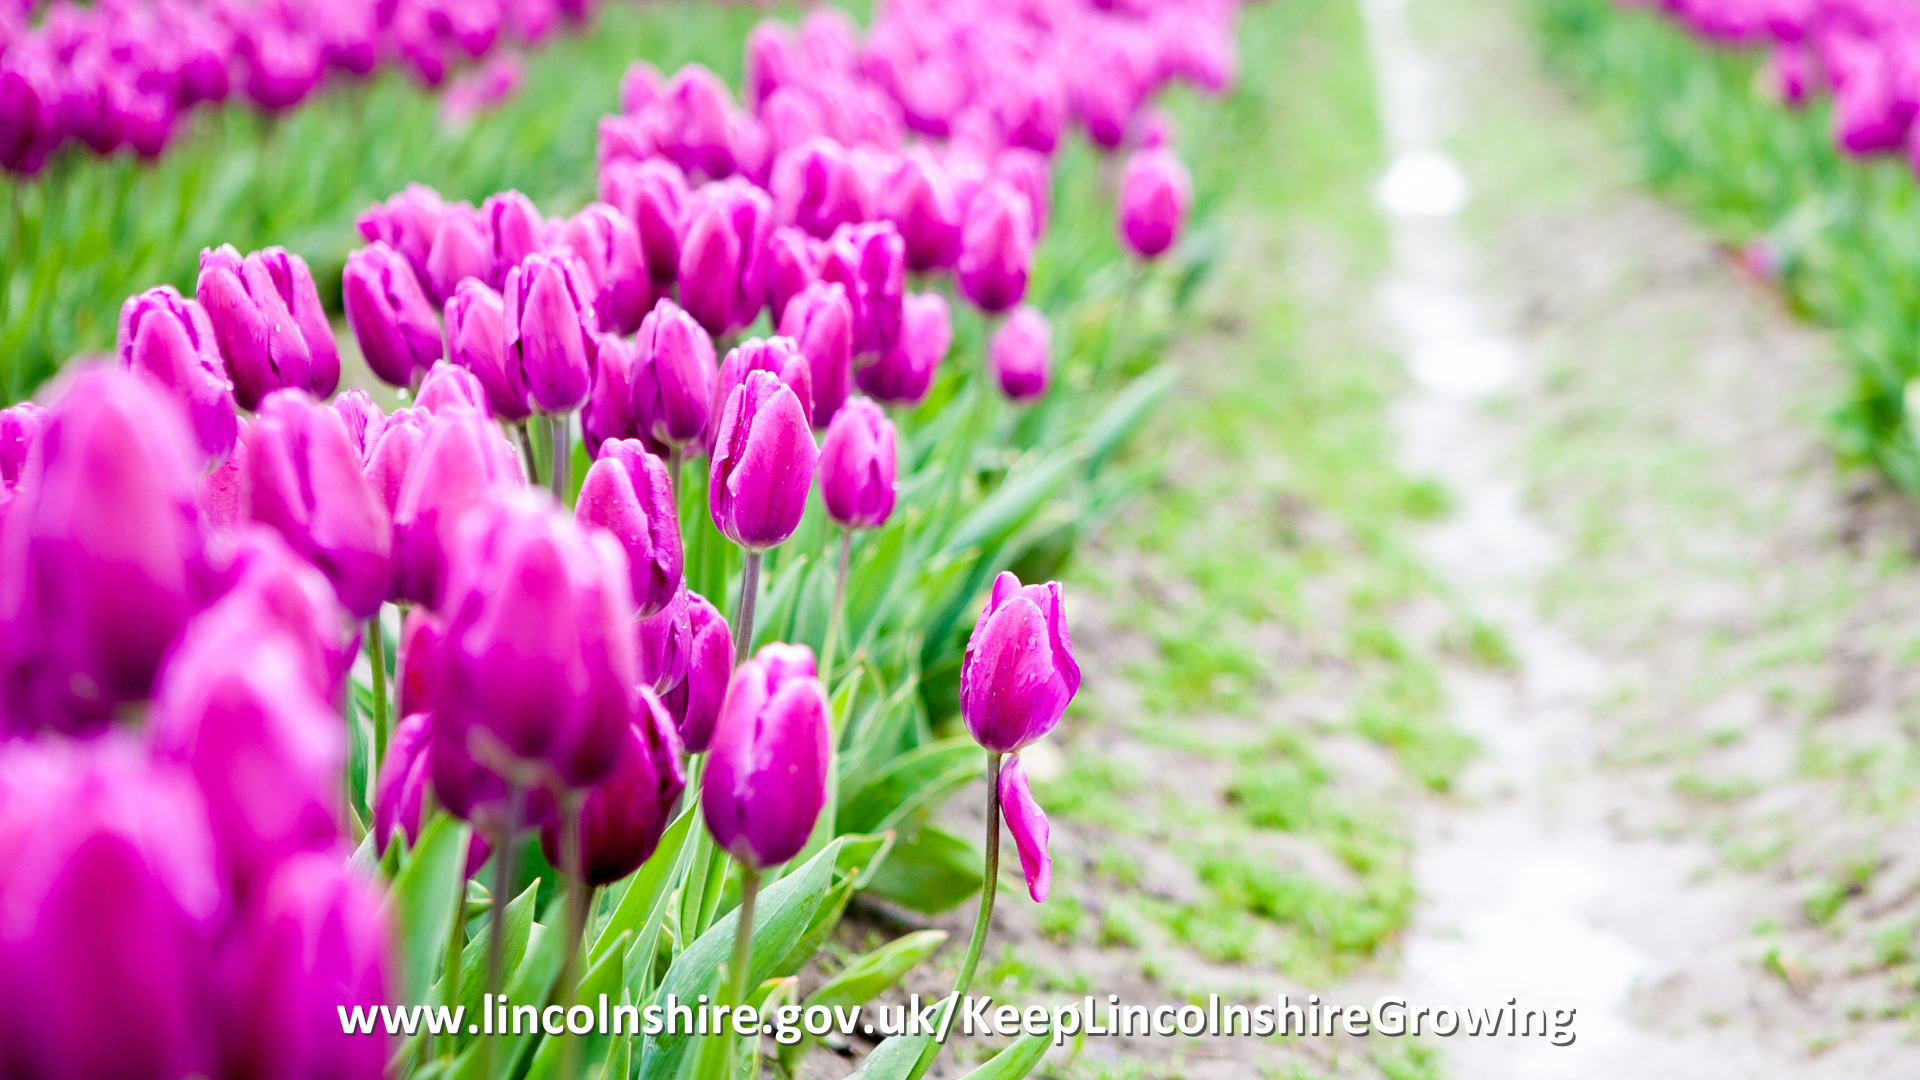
(627, 493)
(664, 641)
(307, 482)
(653, 194)
(363, 419)
(538, 666)
(608, 413)
(463, 462)
(816, 188)
(903, 374)
(780, 356)
(450, 386)
(315, 941)
(516, 230)
(1019, 671)
(111, 898)
(697, 699)
(390, 317)
(763, 460)
(858, 466)
(1155, 193)
(1018, 355)
(673, 377)
(820, 321)
(608, 246)
(996, 248)
(793, 263)
(477, 341)
(919, 198)
(408, 223)
(103, 557)
(699, 137)
(267, 318)
(722, 272)
(624, 815)
(1028, 823)
(551, 331)
(766, 776)
(169, 337)
(461, 251)
(869, 261)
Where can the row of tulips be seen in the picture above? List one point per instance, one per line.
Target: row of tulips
(196, 544)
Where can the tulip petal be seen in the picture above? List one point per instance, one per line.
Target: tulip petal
(1028, 823)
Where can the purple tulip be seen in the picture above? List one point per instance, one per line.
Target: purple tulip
(307, 482)
(477, 341)
(608, 246)
(1155, 194)
(1019, 355)
(1019, 672)
(111, 898)
(608, 413)
(870, 262)
(450, 386)
(700, 127)
(316, 941)
(236, 705)
(409, 223)
(626, 492)
(31, 120)
(363, 419)
(391, 458)
(104, 557)
(766, 776)
(267, 318)
(673, 377)
(624, 815)
(858, 466)
(763, 461)
(416, 675)
(20, 429)
(226, 497)
(1028, 173)
(820, 321)
(722, 264)
(793, 263)
(919, 198)
(780, 356)
(1028, 823)
(653, 194)
(284, 65)
(697, 699)
(463, 462)
(395, 324)
(664, 642)
(773, 60)
(640, 86)
(816, 189)
(266, 585)
(462, 250)
(537, 665)
(903, 374)
(516, 230)
(551, 331)
(996, 248)
(167, 336)
(399, 798)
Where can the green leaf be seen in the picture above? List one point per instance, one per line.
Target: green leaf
(864, 979)
(894, 1059)
(1016, 1061)
(929, 872)
(423, 899)
(1125, 414)
(1000, 513)
(473, 961)
(919, 779)
(649, 884)
(605, 978)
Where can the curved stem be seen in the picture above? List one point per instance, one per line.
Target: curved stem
(743, 621)
(526, 451)
(838, 614)
(981, 921)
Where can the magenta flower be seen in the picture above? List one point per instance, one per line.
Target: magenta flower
(267, 318)
(903, 374)
(816, 188)
(551, 333)
(624, 815)
(1028, 823)
(653, 194)
(673, 378)
(779, 356)
(608, 247)
(1019, 672)
(858, 466)
(462, 251)
(919, 198)
(766, 777)
(477, 341)
(869, 261)
(722, 261)
(608, 413)
(1155, 194)
(820, 322)
(392, 319)
(763, 460)
(307, 482)
(996, 248)
(168, 337)
(464, 462)
(1020, 355)
(696, 701)
(626, 493)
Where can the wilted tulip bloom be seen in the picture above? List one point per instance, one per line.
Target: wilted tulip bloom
(903, 374)
(820, 321)
(673, 377)
(624, 814)
(696, 701)
(816, 188)
(167, 336)
(869, 261)
(664, 641)
(1020, 355)
(407, 222)
(722, 279)
(450, 386)
(779, 356)
(537, 668)
(919, 198)
(236, 704)
(104, 557)
(1028, 823)
(111, 896)
(793, 263)
(766, 776)
(516, 230)
(608, 413)
(608, 247)
(996, 248)
(307, 482)
(267, 318)
(1155, 193)
(551, 331)
(464, 462)
(461, 251)
(314, 942)
(1019, 672)
(477, 341)
(394, 322)
(627, 493)
(653, 194)
(858, 466)
(763, 461)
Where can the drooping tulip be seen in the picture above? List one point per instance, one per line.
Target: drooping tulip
(307, 482)
(673, 377)
(820, 321)
(858, 466)
(869, 261)
(1020, 355)
(919, 198)
(103, 557)
(392, 319)
(1155, 193)
(267, 318)
(477, 341)
(627, 493)
(996, 248)
(653, 193)
(463, 462)
(722, 279)
(167, 336)
(779, 356)
(608, 247)
(697, 699)
(1019, 672)
(766, 776)
(551, 333)
(450, 386)
(624, 814)
(903, 374)
(1028, 823)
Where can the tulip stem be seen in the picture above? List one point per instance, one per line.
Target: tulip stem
(377, 653)
(1123, 321)
(838, 614)
(573, 853)
(981, 921)
(743, 622)
(560, 451)
(526, 451)
(743, 940)
(503, 869)
(675, 458)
